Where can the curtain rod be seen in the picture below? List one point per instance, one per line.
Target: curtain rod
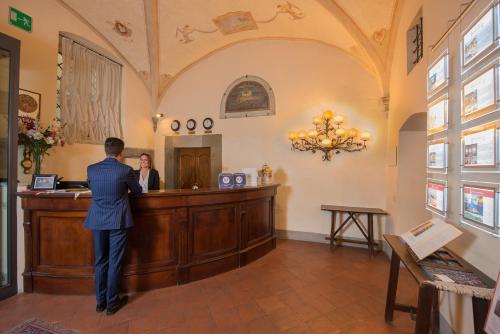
(91, 49)
(455, 22)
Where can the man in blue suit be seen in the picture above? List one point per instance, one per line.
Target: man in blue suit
(109, 217)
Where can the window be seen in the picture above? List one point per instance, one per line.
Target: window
(88, 92)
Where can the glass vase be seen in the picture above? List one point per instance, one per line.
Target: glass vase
(37, 161)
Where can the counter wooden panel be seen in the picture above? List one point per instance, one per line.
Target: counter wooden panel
(179, 236)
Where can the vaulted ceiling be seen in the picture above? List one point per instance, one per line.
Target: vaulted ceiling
(160, 39)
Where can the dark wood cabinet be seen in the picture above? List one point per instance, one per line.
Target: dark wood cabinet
(179, 236)
(193, 167)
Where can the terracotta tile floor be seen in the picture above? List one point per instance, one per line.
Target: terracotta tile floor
(298, 288)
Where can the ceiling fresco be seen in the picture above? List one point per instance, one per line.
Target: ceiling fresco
(161, 39)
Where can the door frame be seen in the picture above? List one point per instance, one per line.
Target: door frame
(13, 46)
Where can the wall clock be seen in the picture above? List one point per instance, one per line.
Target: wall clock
(175, 126)
(191, 124)
(208, 124)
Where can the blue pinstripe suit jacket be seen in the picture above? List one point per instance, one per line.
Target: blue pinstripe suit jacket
(110, 181)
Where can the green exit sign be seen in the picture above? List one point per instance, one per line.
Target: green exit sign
(19, 19)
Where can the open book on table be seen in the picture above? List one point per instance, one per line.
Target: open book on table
(428, 237)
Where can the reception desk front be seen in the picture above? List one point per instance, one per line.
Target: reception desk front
(179, 236)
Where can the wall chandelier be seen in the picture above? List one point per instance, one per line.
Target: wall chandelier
(329, 137)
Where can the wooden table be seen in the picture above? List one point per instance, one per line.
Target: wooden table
(427, 310)
(352, 214)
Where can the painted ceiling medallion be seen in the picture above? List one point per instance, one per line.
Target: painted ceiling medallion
(379, 36)
(121, 28)
(234, 22)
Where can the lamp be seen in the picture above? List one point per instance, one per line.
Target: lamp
(155, 120)
(329, 137)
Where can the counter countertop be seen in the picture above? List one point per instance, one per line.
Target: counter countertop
(153, 193)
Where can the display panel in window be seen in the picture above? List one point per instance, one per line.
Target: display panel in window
(479, 94)
(437, 154)
(479, 146)
(478, 205)
(437, 197)
(478, 38)
(437, 75)
(437, 115)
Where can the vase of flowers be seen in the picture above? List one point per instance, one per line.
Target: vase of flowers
(38, 139)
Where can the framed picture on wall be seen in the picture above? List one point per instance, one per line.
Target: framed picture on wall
(437, 196)
(479, 205)
(437, 115)
(479, 146)
(478, 38)
(479, 95)
(29, 104)
(437, 154)
(437, 75)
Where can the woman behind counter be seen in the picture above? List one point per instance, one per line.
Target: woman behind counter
(148, 177)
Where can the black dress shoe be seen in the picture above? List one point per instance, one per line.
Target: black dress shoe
(113, 309)
(100, 307)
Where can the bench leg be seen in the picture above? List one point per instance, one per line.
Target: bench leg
(392, 287)
(424, 309)
(480, 311)
(370, 234)
(332, 230)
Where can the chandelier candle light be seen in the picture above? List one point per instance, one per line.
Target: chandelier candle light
(329, 137)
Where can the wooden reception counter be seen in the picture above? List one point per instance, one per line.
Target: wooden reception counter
(179, 236)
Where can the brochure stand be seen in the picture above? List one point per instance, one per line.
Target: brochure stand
(441, 271)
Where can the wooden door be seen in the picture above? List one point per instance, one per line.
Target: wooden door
(193, 167)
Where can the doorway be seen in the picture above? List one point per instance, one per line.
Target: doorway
(9, 90)
(193, 167)
(174, 143)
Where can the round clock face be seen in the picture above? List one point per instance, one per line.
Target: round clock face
(176, 125)
(239, 179)
(226, 180)
(208, 123)
(191, 124)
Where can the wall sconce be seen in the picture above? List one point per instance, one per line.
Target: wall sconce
(328, 137)
(156, 118)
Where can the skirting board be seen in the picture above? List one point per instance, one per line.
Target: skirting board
(320, 238)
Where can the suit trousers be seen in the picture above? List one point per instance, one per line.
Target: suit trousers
(109, 248)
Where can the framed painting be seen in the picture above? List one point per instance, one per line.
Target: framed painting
(29, 104)
(246, 97)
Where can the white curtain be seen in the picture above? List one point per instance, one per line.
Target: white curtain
(90, 95)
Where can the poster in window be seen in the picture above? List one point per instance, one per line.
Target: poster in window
(478, 38)
(437, 75)
(479, 148)
(479, 93)
(479, 205)
(436, 155)
(436, 116)
(436, 196)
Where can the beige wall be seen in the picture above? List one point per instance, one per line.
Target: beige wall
(408, 96)
(38, 73)
(307, 78)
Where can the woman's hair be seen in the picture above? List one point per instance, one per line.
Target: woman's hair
(149, 159)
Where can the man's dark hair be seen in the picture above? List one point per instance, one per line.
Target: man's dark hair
(113, 146)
